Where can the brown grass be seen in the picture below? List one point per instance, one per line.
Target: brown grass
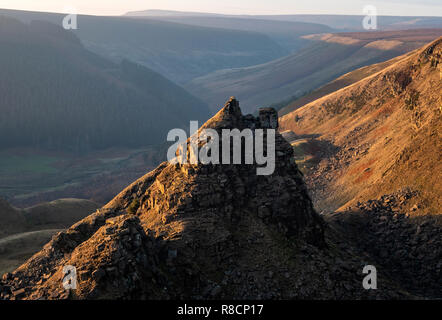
(381, 132)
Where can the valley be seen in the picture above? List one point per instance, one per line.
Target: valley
(29, 176)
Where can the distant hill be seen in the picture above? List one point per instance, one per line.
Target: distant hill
(11, 219)
(377, 136)
(17, 248)
(354, 22)
(288, 34)
(235, 234)
(177, 51)
(328, 57)
(341, 22)
(55, 94)
(58, 214)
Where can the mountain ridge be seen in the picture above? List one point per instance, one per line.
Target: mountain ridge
(378, 128)
(175, 234)
(84, 101)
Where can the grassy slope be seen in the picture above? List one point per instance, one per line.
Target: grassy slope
(384, 137)
(329, 57)
(58, 213)
(347, 22)
(29, 176)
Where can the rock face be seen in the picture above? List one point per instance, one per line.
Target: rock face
(198, 231)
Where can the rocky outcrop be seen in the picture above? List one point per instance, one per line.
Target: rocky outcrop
(194, 231)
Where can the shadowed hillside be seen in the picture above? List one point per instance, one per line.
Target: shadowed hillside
(353, 22)
(58, 214)
(11, 219)
(177, 51)
(286, 33)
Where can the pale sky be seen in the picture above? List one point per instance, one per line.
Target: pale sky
(117, 7)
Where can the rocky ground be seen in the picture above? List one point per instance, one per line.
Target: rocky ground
(408, 247)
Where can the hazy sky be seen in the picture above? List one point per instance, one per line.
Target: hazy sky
(116, 7)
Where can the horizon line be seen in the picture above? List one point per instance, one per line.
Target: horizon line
(214, 13)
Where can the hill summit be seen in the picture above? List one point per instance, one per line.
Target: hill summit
(213, 231)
